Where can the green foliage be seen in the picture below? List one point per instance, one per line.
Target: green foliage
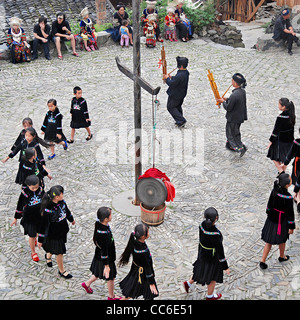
(102, 27)
(75, 27)
(202, 16)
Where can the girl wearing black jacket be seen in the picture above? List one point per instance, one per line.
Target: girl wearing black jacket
(54, 227)
(29, 211)
(211, 261)
(103, 264)
(140, 280)
(31, 140)
(280, 222)
(282, 137)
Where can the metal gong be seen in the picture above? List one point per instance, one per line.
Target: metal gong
(151, 192)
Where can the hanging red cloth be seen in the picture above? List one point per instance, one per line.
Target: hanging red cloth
(157, 174)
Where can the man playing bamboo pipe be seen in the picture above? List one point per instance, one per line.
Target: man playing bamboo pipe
(177, 91)
(236, 114)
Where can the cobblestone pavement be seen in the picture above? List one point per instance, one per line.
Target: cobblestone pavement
(210, 175)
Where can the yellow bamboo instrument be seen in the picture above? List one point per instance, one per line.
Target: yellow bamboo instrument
(215, 88)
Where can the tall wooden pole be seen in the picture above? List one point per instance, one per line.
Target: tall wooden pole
(137, 92)
(100, 11)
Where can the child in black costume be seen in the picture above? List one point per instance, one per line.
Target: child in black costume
(80, 115)
(103, 264)
(26, 123)
(280, 222)
(29, 211)
(54, 227)
(52, 127)
(210, 263)
(140, 280)
(31, 140)
(293, 153)
(282, 137)
(33, 166)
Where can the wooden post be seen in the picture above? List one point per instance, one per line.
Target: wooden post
(137, 92)
(255, 10)
(100, 11)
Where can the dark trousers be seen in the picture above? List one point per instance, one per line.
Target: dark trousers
(233, 135)
(174, 107)
(289, 39)
(35, 44)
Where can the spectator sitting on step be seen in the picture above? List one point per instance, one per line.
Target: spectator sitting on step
(284, 30)
(16, 41)
(61, 31)
(118, 18)
(87, 31)
(41, 32)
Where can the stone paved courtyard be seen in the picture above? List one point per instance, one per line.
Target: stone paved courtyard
(210, 175)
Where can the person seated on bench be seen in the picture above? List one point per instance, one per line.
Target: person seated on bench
(41, 32)
(61, 31)
(284, 30)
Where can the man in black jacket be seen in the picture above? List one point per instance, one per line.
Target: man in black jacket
(236, 114)
(284, 30)
(177, 91)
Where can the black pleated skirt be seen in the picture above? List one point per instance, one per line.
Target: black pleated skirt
(279, 150)
(131, 287)
(97, 268)
(78, 125)
(206, 271)
(55, 246)
(30, 228)
(270, 234)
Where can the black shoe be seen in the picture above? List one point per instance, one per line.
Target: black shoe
(49, 264)
(228, 146)
(48, 58)
(284, 259)
(298, 43)
(243, 151)
(290, 52)
(180, 125)
(33, 58)
(65, 275)
(263, 265)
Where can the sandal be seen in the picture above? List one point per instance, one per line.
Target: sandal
(60, 57)
(89, 137)
(49, 264)
(87, 289)
(65, 275)
(35, 257)
(75, 54)
(70, 141)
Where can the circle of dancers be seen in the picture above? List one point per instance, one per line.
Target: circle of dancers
(45, 216)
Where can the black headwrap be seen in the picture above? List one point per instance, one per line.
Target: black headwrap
(182, 61)
(239, 79)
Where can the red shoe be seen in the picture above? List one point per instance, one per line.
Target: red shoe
(219, 295)
(186, 287)
(35, 257)
(87, 289)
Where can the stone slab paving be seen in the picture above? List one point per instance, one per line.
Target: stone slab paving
(203, 171)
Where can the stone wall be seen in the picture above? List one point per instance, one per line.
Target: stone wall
(224, 34)
(30, 10)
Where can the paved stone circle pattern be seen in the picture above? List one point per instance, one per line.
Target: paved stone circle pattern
(238, 187)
